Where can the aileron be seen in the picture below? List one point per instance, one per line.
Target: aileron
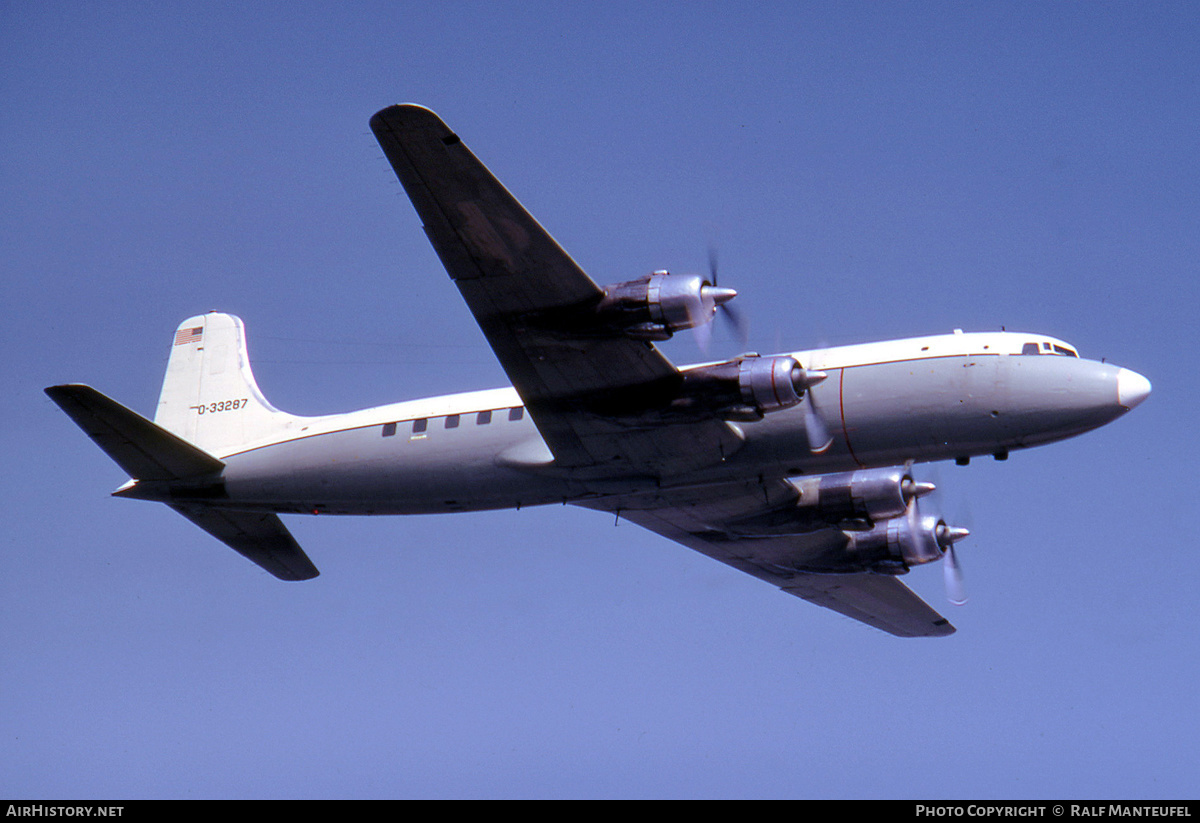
(877, 600)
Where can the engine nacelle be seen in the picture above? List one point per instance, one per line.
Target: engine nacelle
(747, 387)
(910, 540)
(869, 495)
(656, 306)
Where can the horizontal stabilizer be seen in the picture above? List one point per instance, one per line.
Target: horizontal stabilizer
(259, 537)
(148, 453)
(144, 450)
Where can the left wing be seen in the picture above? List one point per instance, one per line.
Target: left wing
(587, 390)
(747, 526)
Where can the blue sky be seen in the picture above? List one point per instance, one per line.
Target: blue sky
(867, 171)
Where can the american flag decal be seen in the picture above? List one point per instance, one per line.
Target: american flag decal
(188, 335)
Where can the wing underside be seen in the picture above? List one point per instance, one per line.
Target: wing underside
(714, 523)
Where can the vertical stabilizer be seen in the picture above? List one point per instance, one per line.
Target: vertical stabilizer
(209, 396)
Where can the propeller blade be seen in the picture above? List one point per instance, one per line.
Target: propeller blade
(703, 334)
(819, 438)
(737, 322)
(956, 592)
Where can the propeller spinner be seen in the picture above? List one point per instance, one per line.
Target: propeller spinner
(720, 297)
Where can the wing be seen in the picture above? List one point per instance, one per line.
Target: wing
(586, 391)
(736, 524)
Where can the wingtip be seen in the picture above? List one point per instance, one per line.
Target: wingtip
(66, 394)
(402, 114)
(64, 388)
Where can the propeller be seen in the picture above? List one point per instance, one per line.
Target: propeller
(952, 571)
(819, 438)
(952, 574)
(715, 299)
(946, 536)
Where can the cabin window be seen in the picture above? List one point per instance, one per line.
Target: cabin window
(420, 425)
(389, 429)
(452, 421)
(483, 418)
(516, 413)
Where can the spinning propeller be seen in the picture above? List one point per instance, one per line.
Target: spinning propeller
(952, 573)
(711, 300)
(732, 316)
(819, 438)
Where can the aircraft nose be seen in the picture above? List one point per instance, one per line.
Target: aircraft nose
(1132, 388)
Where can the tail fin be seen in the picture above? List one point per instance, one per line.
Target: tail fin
(209, 395)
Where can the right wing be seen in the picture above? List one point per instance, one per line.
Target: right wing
(732, 523)
(587, 391)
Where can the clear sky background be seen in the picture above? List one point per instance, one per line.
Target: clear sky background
(867, 171)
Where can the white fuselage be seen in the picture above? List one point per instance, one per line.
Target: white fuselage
(927, 398)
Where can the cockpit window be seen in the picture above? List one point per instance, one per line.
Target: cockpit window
(1048, 348)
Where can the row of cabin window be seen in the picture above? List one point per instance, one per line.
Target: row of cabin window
(421, 424)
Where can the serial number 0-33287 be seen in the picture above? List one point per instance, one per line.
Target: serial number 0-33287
(221, 406)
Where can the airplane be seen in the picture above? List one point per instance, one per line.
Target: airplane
(794, 467)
